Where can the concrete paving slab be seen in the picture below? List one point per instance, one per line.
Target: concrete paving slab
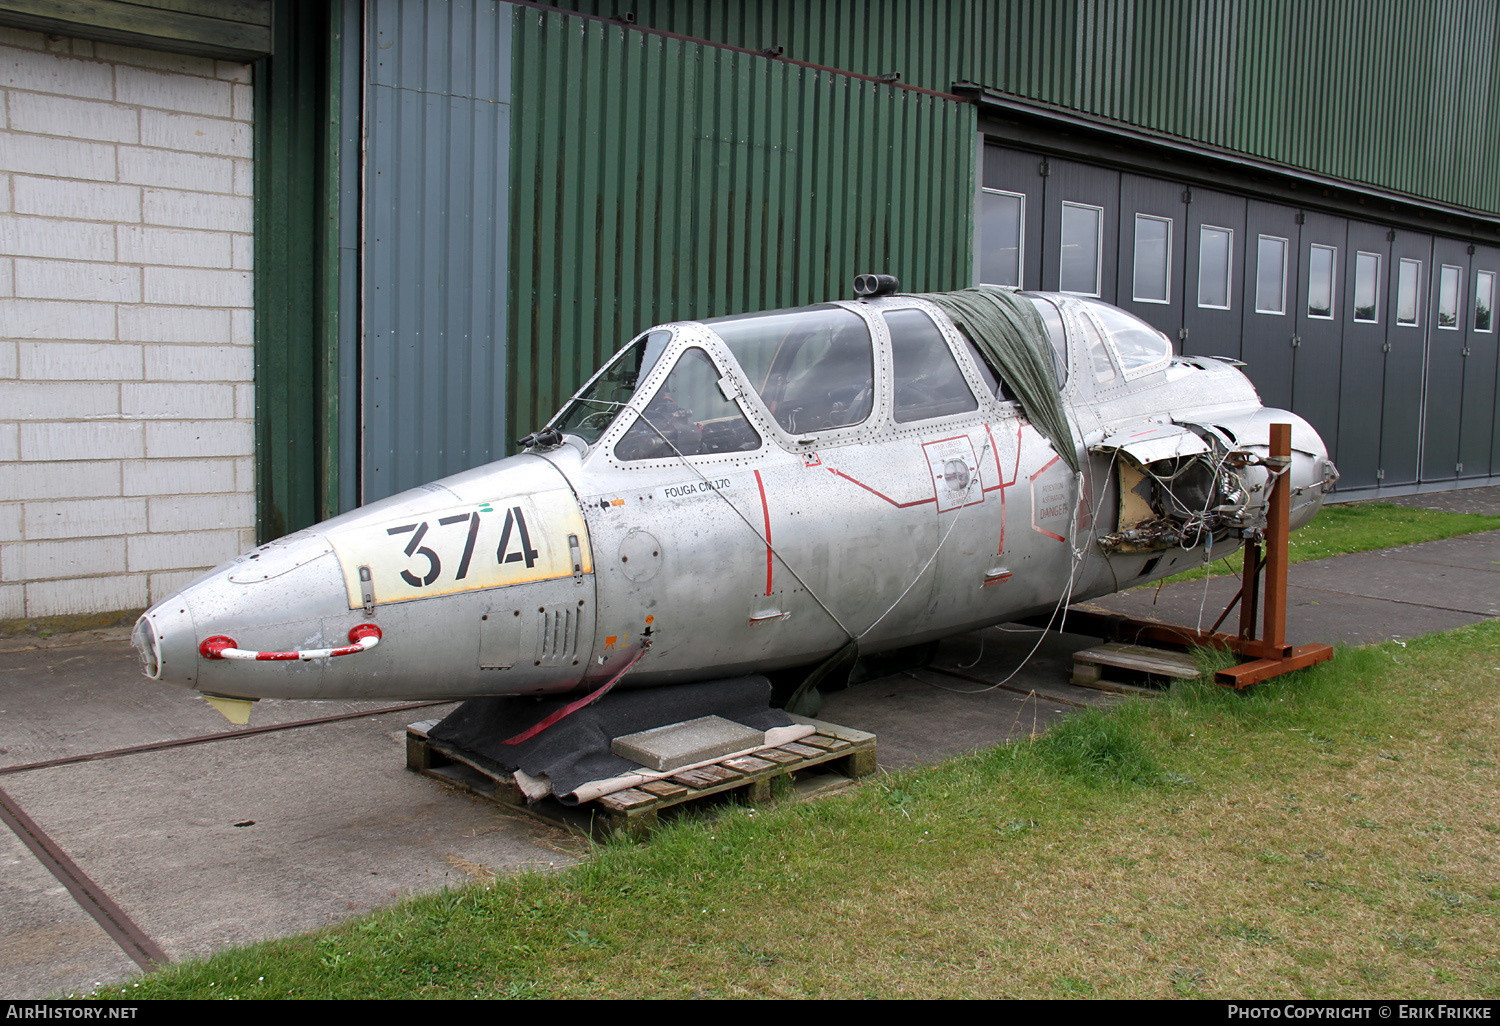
(1407, 582)
(65, 701)
(334, 825)
(1459, 500)
(923, 717)
(48, 945)
(1475, 551)
(1357, 599)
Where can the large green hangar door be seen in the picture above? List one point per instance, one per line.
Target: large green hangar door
(436, 186)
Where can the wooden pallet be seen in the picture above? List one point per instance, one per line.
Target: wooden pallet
(635, 810)
(1137, 660)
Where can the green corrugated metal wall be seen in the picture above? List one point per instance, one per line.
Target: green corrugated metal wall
(296, 262)
(1398, 94)
(656, 179)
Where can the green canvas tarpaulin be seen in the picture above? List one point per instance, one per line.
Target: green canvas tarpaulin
(1009, 332)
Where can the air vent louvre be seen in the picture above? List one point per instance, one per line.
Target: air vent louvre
(557, 643)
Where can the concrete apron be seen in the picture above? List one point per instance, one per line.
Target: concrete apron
(235, 840)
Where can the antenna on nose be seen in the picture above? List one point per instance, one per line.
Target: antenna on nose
(873, 286)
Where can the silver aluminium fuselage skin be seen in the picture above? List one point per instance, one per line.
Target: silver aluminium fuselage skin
(550, 571)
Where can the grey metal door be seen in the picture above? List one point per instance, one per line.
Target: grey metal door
(1447, 335)
(1406, 333)
(1476, 431)
(1213, 297)
(1271, 276)
(1012, 182)
(1317, 345)
(1362, 365)
(1152, 218)
(1080, 200)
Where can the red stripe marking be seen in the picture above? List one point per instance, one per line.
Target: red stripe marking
(1044, 468)
(887, 498)
(1015, 473)
(766, 509)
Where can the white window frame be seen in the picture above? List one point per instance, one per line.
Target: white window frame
(1098, 249)
(1333, 277)
(1228, 269)
(1458, 297)
(1376, 305)
(1286, 249)
(1135, 262)
(1491, 276)
(1020, 240)
(1416, 321)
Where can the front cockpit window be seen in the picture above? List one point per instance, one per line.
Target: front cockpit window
(688, 416)
(814, 368)
(1104, 368)
(1056, 334)
(595, 408)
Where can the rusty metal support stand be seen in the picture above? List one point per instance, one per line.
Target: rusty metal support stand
(1270, 655)
(1275, 655)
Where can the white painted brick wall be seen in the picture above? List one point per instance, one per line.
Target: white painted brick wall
(54, 237)
(126, 328)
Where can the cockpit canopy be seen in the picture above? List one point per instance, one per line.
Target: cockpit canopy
(814, 370)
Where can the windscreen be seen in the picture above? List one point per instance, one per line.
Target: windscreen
(594, 409)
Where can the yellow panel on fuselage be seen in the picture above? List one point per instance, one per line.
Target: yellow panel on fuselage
(515, 540)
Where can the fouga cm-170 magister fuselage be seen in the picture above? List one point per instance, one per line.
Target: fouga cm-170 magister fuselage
(747, 494)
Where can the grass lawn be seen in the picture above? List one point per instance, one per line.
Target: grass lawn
(1360, 527)
(1330, 834)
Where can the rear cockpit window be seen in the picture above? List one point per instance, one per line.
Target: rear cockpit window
(688, 416)
(814, 368)
(928, 381)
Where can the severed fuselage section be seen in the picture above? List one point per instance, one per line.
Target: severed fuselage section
(750, 493)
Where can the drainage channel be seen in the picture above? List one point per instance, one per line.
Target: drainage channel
(112, 919)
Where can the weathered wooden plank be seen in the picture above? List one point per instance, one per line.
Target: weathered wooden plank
(250, 12)
(133, 24)
(826, 743)
(705, 776)
(664, 789)
(749, 764)
(802, 751)
(834, 730)
(1116, 688)
(1140, 659)
(628, 799)
(778, 756)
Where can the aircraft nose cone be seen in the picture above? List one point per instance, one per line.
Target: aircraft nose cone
(167, 642)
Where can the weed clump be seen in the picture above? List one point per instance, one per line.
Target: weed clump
(1098, 748)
